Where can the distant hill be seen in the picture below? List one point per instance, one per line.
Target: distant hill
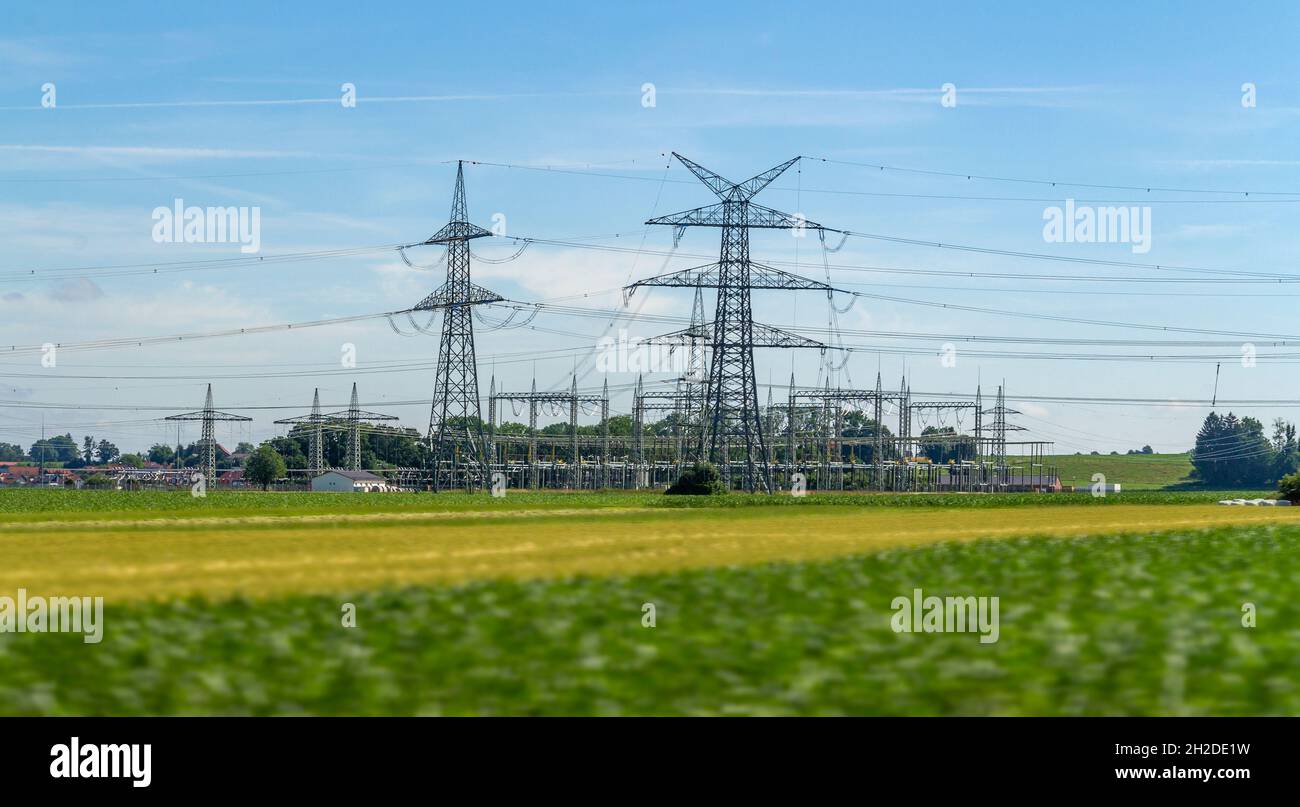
(1131, 471)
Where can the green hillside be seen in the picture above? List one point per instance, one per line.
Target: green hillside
(1132, 471)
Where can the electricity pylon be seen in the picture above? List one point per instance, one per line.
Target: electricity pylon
(1001, 427)
(697, 370)
(208, 442)
(732, 418)
(353, 417)
(315, 441)
(458, 448)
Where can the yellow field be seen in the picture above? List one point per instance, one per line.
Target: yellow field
(267, 555)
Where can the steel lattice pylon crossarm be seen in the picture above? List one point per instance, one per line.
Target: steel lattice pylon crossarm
(723, 214)
(447, 296)
(762, 336)
(710, 276)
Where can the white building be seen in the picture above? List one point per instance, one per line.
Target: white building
(349, 482)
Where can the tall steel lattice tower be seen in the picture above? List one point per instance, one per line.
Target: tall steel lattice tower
(732, 426)
(458, 447)
(315, 436)
(352, 418)
(697, 371)
(1001, 427)
(208, 442)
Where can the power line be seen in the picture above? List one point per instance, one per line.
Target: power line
(1246, 275)
(234, 175)
(574, 311)
(1052, 182)
(161, 267)
(1060, 258)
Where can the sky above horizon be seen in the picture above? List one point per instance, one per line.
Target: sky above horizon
(239, 105)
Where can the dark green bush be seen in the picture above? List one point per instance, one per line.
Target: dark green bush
(1288, 487)
(701, 479)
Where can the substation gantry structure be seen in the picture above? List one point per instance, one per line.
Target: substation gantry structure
(827, 407)
(681, 403)
(556, 402)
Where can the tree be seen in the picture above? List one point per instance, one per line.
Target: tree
(265, 465)
(857, 424)
(1232, 452)
(161, 454)
(620, 425)
(88, 449)
(131, 460)
(958, 449)
(106, 451)
(60, 448)
(10, 452)
(1288, 487)
(292, 448)
(381, 446)
(98, 480)
(701, 479)
(1287, 459)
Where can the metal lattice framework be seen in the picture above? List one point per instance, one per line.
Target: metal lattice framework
(732, 416)
(919, 409)
(998, 449)
(830, 404)
(570, 400)
(208, 442)
(458, 446)
(694, 384)
(352, 418)
(315, 436)
(679, 402)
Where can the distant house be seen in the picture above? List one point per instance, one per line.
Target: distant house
(23, 473)
(349, 482)
(32, 475)
(233, 478)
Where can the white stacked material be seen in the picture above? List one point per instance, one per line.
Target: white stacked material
(1256, 502)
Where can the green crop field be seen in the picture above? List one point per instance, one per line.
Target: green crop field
(1130, 471)
(533, 604)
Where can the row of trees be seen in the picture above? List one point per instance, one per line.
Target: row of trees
(61, 448)
(1235, 452)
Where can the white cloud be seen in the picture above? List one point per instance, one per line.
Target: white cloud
(78, 290)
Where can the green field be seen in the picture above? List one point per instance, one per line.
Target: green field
(19, 505)
(1131, 471)
(533, 604)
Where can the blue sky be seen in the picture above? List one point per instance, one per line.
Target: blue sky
(236, 105)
